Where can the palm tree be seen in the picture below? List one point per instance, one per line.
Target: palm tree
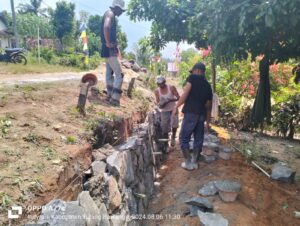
(33, 7)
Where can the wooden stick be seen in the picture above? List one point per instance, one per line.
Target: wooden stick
(261, 169)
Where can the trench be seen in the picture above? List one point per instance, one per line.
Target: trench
(117, 172)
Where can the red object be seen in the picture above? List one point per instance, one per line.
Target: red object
(206, 52)
(90, 78)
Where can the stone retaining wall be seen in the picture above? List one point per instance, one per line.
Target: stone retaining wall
(116, 190)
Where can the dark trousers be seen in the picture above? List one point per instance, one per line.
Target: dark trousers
(193, 124)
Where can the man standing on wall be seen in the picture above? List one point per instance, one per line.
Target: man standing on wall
(197, 100)
(110, 51)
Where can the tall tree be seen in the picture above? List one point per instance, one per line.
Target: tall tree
(33, 7)
(94, 24)
(63, 20)
(234, 29)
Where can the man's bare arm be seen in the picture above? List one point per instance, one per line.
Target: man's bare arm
(208, 107)
(157, 97)
(175, 92)
(184, 96)
(107, 26)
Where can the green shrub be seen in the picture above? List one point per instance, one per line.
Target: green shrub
(47, 54)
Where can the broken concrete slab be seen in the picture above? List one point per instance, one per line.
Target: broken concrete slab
(91, 210)
(200, 202)
(212, 219)
(98, 168)
(208, 189)
(283, 173)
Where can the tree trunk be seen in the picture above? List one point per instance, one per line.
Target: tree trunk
(292, 130)
(213, 72)
(261, 111)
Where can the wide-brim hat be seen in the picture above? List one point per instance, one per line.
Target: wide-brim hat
(120, 4)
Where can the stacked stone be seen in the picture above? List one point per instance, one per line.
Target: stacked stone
(120, 184)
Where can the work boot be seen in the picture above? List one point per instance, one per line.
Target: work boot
(173, 142)
(113, 102)
(196, 155)
(187, 163)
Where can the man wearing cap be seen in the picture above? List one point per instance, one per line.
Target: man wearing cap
(197, 100)
(166, 97)
(110, 51)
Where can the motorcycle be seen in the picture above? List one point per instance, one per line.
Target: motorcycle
(14, 55)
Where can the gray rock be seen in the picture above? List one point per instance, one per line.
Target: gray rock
(200, 202)
(194, 210)
(212, 219)
(90, 207)
(131, 201)
(60, 213)
(211, 138)
(209, 158)
(114, 163)
(211, 145)
(104, 216)
(120, 165)
(98, 168)
(44, 224)
(228, 186)
(208, 189)
(127, 172)
(225, 149)
(74, 202)
(102, 153)
(283, 173)
(98, 156)
(119, 220)
(131, 144)
(141, 209)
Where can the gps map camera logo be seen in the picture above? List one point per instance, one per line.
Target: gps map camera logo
(15, 212)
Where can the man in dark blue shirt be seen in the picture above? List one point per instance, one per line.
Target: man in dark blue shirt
(110, 52)
(197, 100)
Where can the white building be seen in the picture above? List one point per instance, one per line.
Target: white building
(5, 36)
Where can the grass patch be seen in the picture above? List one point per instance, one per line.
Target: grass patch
(5, 200)
(71, 140)
(49, 153)
(5, 125)
(34, 68)
(250, 150)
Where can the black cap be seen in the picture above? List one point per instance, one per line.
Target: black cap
(199, 66)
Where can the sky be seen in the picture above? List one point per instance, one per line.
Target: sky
(134, 31)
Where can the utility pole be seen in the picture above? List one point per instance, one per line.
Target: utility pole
(14, 22)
